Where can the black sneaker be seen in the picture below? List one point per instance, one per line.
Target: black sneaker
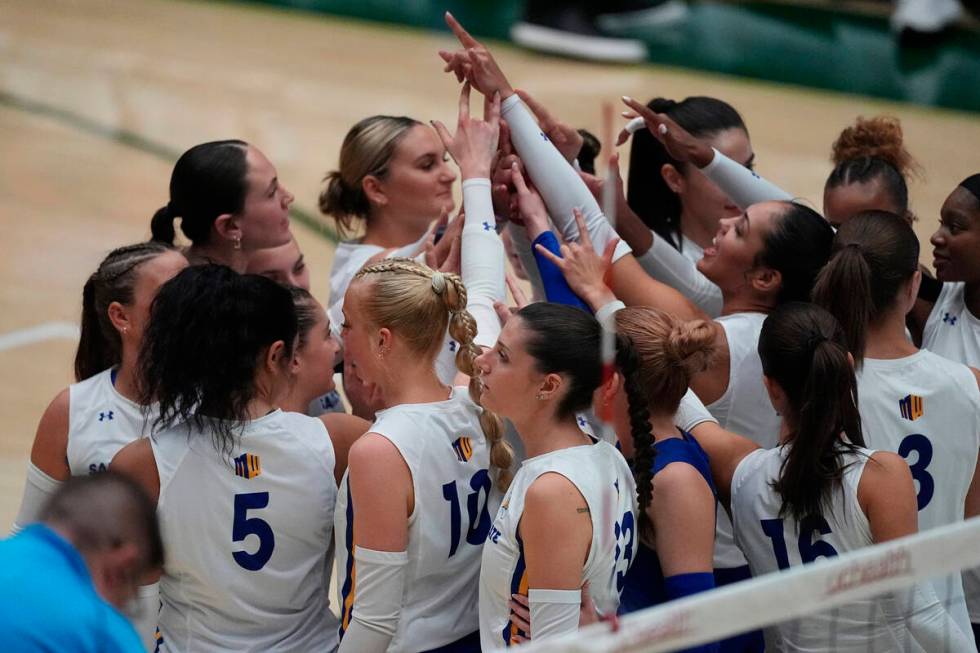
(569, 29)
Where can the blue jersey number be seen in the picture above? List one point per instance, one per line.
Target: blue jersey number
(923, 456)
(625, 531)
(244, 526)
(810, 549)
(476, 507)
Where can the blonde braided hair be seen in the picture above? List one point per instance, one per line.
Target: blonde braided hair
(406, 294)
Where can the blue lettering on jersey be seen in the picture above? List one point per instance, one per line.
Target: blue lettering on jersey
(949, 319)
(493, 535)
(97, 468)
(105, 416)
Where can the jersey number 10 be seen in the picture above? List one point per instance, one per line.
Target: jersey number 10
(476, 507)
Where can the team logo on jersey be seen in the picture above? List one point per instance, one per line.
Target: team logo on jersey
(911, 407)
(247, 466)
(464, 449)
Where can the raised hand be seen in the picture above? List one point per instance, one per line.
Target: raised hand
(474, 145)
(444, 255)
(475, 63)
(679, 143)
(565, 137)
(584, 269)
(520, 300)
(629, 225)
(530, 206)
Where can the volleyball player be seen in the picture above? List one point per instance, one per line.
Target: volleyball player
(230, 203)
(871, 171)
(952, 329)
(284, 264)
(245, 492)
(913, 402)
(821, 493)
(570, 489)
(415, 507)
(88, 422)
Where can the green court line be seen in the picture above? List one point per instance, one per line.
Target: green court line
(140, 143)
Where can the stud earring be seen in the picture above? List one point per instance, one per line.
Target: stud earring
(238, 242)
(540, 396)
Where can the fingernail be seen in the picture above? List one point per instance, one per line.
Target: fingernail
(662, 129)
(627, 98)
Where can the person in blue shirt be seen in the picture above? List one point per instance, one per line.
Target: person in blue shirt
(64, 580)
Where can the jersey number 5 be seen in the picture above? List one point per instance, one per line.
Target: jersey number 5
(243, 526)
(476, 506)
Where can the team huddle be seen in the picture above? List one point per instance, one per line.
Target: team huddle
(721, 383)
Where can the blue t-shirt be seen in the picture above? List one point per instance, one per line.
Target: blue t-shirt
(644, 584)
(48, 601)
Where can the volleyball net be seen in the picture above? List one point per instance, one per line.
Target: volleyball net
(848, 600)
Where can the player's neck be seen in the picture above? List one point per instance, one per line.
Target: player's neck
(125, 383)
(541, 433)
(415, 386)
(390, 231)
(663, 428)
(236, 259)
(886, 338)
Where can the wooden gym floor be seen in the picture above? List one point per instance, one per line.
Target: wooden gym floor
(98, 97)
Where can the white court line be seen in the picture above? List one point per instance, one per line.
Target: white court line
(39, 333)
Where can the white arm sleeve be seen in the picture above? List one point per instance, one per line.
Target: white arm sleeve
(560, 186)
(554, 612)
(692, 412)
(930, 624)
(482, 261)
(743, 186)
(377, 600)
(143, 612)
(37, 490)
(522, 247)
(667, 265)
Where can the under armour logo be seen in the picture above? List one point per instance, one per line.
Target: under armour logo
(544, 136)
(452, 345)
(581, 421)
(105, 416)
(487, 227)
(949, 319)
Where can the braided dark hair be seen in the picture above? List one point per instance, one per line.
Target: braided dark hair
(628, 361)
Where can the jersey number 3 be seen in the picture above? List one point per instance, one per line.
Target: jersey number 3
(923, 450)
(476, 506)
(243, 526)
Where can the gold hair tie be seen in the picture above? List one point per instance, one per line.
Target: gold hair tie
(439, 283)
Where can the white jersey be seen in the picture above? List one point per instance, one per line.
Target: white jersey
(604, 479)
(100, 423)
(952, 331)
(444, 447)
(927, 409)
(773, 543)
(246, 534)
(745, 409)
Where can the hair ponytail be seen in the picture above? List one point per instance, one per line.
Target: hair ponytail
(803, 350)
(629, 363)
(162, 226)
(874, 254)
(99, 344)
(462, 329)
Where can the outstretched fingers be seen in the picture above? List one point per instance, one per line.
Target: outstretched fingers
(462, 35)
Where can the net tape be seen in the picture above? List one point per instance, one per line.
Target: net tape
(774, 598)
